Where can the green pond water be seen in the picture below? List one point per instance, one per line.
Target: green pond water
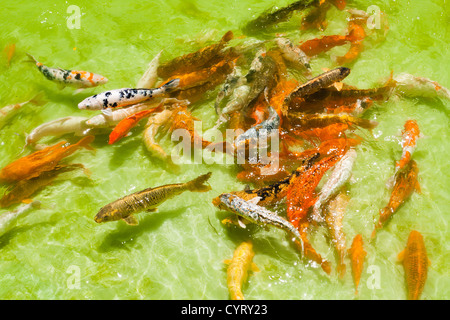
(59, 252)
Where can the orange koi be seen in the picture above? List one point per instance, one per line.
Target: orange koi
(409, 142)
(357, 255)
(42, 160)
(125, 125)
(316, 46)
(195, 60)
(24, 189)
(405, 183)
(238, 268)
(415, 261)
(300, 193)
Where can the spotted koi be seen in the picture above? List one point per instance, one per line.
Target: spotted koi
(80, 79)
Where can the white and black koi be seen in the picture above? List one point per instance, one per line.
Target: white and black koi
(124, 97)
(255, 214)
(80, 79)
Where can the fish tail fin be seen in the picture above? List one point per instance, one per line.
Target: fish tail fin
(84, 142)
(31, 58)
(171, 85)
(39, 99)
(197, 185)
(341, 270)
(227, 37)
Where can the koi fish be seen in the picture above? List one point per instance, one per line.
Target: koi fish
(195, 60)
(42, 160)
(304, 121)
(148, 199)
(412, 86)
(405, 183)
(415, 261)
(10, 110)
(315, 84)
(255, 213)
(319, 45)
(148, 79)
(293, 54)
(238, 268)
(260, 131)
(10, 49)
(8, 219)
(335, 212)
(152, 126)
(357, 255)
(268, 19)
(125, 97)
(24, 189)
(237, 101)
(409, 142)
(299, 197)
(340, 175)
(80, 79)
(233, 80)
(124, 126)
(58, 127)
(316, 17)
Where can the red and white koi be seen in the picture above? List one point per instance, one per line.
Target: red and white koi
(124, 97)
(80, 79)
(341, 174)
(409, 142)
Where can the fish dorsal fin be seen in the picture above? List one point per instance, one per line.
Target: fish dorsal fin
(254, 200)
(338, 85)
(241, 224)
(254, 267)
(131, 220)
(401, 256)
(417, 187)
(247, 187)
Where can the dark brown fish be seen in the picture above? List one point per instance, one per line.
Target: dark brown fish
(315, 84)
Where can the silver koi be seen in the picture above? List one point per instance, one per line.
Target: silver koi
(124, 97)
(262, 130)
(231, 82)
(413, 86)
(59, 127)
(292, 53)
(80, 79)
(340, 175)
(255, 214)
(8, 219)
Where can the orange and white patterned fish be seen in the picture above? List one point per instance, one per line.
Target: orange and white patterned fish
(409, 143)
(357, 255)
(80, 79)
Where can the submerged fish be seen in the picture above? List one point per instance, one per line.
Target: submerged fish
(81, 79)
(125, 97)
(8, 219)
(8, 111)
(415, 261)
(255, 214)
(357, 256)
(148, 199)
(24, 189)
(125, 125)
(192, 61)
(341, 174)
(238, 268)
(42, 160)
(409, 142)
(263, 130)
(152, 127)
(307, 121)
(10, 49)
(268, 19)
(334, 217)
(323, 80)
(59, 127)
(150, 76)
(413, 86)
(293, 54)
(406, 181)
